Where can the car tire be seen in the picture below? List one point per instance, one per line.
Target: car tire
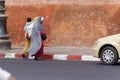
(109, 55)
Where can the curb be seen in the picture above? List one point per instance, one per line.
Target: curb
(54, 57)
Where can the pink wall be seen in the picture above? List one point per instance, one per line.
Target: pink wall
(67, 22)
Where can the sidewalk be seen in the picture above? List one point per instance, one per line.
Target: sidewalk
(55, 53)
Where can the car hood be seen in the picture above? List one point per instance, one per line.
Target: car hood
(115, 37)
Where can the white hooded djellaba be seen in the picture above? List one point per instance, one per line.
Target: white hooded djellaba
(36, 40)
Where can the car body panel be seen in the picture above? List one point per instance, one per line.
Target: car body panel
(113, 40)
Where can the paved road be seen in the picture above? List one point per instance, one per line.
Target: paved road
(60, 70)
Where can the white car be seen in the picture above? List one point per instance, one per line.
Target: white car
(108, 49)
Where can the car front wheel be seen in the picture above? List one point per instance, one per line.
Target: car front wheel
(109, 55)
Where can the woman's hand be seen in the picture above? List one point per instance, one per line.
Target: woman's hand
(26, 35)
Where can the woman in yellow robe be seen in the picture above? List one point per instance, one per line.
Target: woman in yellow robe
(27, 37)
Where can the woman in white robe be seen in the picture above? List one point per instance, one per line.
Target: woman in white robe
(36, 46)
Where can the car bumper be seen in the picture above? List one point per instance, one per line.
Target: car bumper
(96, 51)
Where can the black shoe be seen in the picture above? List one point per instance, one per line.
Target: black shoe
(38, 58)
(23, 55)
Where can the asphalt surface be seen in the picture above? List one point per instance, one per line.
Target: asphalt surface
(25, 69)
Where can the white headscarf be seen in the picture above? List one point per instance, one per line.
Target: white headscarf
(42, 19)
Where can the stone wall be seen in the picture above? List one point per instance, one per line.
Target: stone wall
(67, 22)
